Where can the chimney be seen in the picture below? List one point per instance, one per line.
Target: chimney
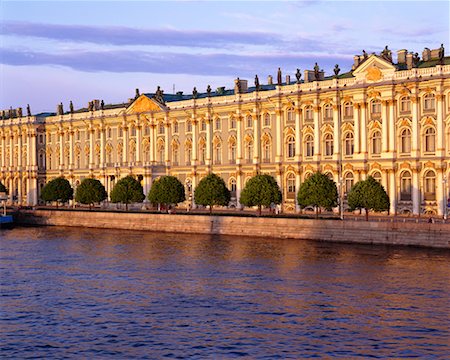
(409, 60)
(288, 79)
(401, 56)
(270, 80)
(96, 104)
(356, 61)
(426, 54)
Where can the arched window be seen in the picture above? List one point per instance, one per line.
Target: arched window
(217, 123)
(328, 112)
(290, 115)
(202, 125)
(405, 105)
(429, 140)
(429, 185)
(290, 185)
(290, 146)
(328, 144)
(375, 107)
(161, 128)
(202, 152)
(429, 102)
(405, 141)
(217, 153)
(233, 187)
(249, 121)
(309, 145)
(188, 149)
(266, 119)
(348, 109)
(175, 126)
(232, 145)
(132, 131)
(146, 148)
(308, 113)
(405, 186)
(175, 154)
(377, 176)
(161, 152)
(348, 182)
(249, 150)
(266, 149)
(232, 122)
(349, 144)
(375, 142)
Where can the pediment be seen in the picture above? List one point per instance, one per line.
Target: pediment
(144, 104)
(374, 69)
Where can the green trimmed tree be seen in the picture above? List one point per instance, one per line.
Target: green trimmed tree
(368, 195)
(261, 190)
(3, 188)
(318, 191)
(167, 190)
(90, 191)
(210, 191)
(58, 190)
(127, 190)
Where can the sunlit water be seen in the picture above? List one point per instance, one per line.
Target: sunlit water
(100, 294)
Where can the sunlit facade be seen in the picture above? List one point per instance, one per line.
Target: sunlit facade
(389, 120)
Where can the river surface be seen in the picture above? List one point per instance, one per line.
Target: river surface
(69, 293)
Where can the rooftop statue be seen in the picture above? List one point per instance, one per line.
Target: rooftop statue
(441, 54)
(194, 93)
(279, 77)
(91, 106)
(71, 107)
(336, 70)
(208, 90)
(364, 54)
(60, 109)
(19, 112)
(137, 94)
(28, 110)
(159, 95)
(298, 75)
(102, 105)
(316, 72)
(257, 86)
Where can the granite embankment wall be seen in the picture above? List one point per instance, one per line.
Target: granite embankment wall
(398, 233)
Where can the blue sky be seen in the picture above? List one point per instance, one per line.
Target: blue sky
(57, 51)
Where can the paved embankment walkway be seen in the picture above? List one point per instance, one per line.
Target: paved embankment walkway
(435, 235)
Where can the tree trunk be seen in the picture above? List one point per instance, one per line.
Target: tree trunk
(126, 206)
(210, 210)
(90, 206)
(317, 212)
(259, 210)
(367, 214)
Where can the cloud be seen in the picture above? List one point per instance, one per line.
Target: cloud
(116, 35)
(218, 64)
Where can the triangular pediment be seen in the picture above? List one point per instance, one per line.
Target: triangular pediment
(374, 69)
(144, 104)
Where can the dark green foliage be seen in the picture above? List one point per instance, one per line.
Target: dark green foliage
(58, 190)
(166, 190)
(318, 191)
(261, 190)
(211, 190)
(368, 195)
(3, 188)
(127, 190)
(90, 191)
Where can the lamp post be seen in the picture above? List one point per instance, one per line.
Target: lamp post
(444, 183)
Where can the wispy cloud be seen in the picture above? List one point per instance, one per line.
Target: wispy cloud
(171, 63)
(116, 35)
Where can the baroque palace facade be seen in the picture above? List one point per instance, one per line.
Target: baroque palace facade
(385, 119)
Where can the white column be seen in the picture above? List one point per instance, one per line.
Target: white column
(194, 140)
(384, 126)
(392, 135)
(19, 155)
(256, 136)
(102, 147)
(392, 193)
(336, 132)
(239, 137)
(440, 131)
(92, 147)
(440, 195)
(3, 151)
(208, 139)
(125, 144)
(356, 128)
(363, 121)
(152, 142)
(317, 147)
(61, 149)
(415, 127)
(298, 136)
(11, 150)
(416, 192)
(167, 141)
(239, 187)
(72, 149)
(279, 136)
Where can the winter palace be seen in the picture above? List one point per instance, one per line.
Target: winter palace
(387, 119)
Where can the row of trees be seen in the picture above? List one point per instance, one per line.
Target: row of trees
(318, 191)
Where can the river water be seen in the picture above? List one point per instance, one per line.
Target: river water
(100, 294)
